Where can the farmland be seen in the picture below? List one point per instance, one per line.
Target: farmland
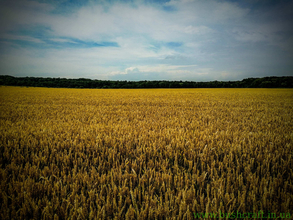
(144, 154)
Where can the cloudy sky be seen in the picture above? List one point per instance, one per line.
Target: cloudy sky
(199, 40)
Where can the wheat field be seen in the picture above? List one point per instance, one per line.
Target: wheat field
(144, 154)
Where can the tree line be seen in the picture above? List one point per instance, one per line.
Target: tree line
(265, 82)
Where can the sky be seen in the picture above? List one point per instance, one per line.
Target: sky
(193, 40)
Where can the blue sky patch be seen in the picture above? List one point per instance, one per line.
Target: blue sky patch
(174, 44)
(42, 37)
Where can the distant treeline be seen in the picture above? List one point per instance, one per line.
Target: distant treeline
(265, 82)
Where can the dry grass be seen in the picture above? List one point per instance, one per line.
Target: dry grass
(144, 154)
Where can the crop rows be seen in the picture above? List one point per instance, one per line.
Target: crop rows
(144, 154)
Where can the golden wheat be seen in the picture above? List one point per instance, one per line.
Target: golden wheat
(144, 154)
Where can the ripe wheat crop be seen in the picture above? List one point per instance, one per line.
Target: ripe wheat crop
(144, 154)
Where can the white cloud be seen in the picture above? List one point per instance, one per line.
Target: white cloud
(198, 30)
(62, 40)
(162, 68)
(126, 71)
(212, 38)
(21, 38)
(163, 72)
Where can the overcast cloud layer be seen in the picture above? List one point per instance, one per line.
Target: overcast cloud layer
(199, 40)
